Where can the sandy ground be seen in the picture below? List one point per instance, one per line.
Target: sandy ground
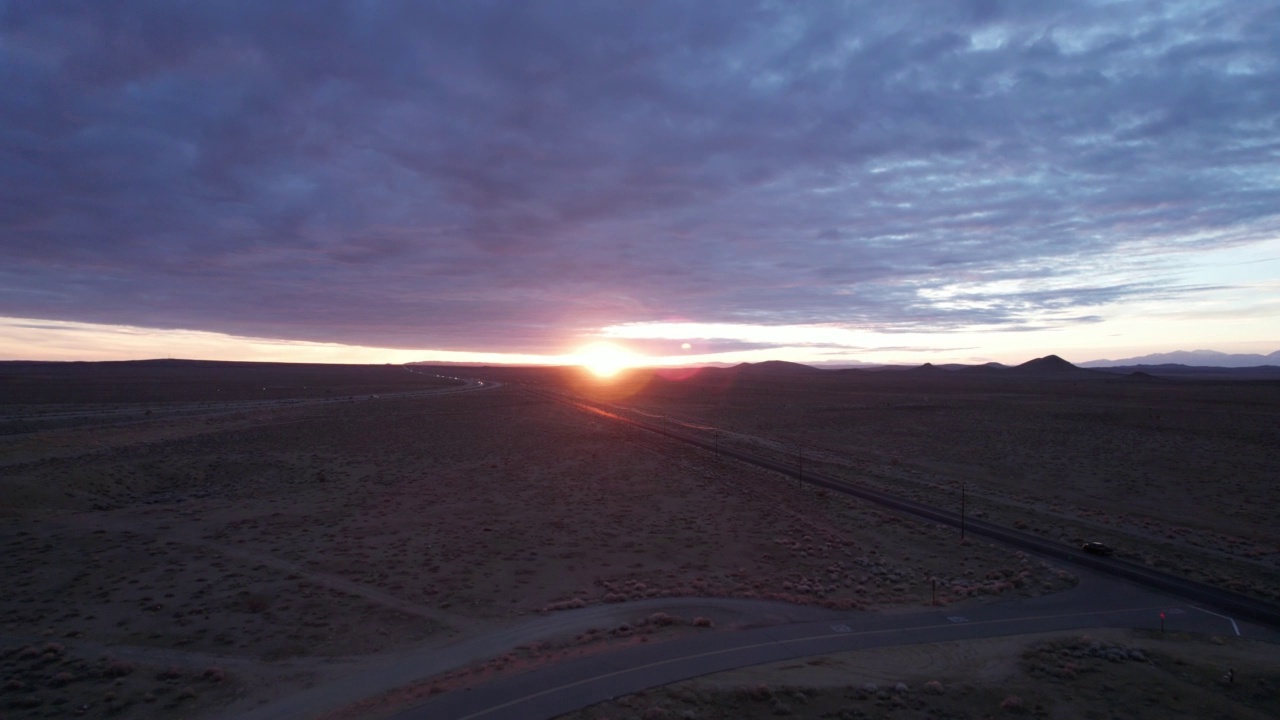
(1102, 674)
(242, 556)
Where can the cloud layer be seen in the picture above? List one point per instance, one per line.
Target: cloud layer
(498, 176)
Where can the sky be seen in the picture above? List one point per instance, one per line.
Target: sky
(822, 182)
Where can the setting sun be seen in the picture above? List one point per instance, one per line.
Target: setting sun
(605, 359)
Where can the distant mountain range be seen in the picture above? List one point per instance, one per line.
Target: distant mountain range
(1193, 358)
(1179, 361)
(1049, 366)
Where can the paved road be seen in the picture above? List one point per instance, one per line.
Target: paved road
(749, 632)
(360, 678)
(574, 684)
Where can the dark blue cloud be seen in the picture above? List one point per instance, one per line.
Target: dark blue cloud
(495, 175)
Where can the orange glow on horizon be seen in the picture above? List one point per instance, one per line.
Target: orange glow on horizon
(605, 359)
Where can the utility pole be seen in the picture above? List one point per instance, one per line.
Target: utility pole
(801, 466)
(962, 511)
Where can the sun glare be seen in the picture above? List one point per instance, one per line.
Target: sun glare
(605, 359)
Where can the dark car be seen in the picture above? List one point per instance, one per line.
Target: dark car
(1098, 548)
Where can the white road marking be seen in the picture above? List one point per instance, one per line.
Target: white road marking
(1224, 617)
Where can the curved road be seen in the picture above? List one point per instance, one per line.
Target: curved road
(574, 684)
(361, 678)
(750, 632)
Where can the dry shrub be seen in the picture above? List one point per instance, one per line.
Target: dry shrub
(26, 702)
(1012, 704)
(255, 604)
(117, 668)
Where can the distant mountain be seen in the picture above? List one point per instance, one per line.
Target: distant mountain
(1174, 370)
(1193, 358)
(774, 367)
(1141, 376)
(988, 368)
(1048, 363)
(845, 365)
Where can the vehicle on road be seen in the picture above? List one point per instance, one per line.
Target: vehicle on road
(1098, 548)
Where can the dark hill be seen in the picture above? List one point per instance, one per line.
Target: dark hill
(991, 367)
(1140, 376)
(1048, 363)
(774, 368)
(1174, 370)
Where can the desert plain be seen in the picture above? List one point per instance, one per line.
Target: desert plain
(202, 540)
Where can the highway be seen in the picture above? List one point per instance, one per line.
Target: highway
(1229, 602)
